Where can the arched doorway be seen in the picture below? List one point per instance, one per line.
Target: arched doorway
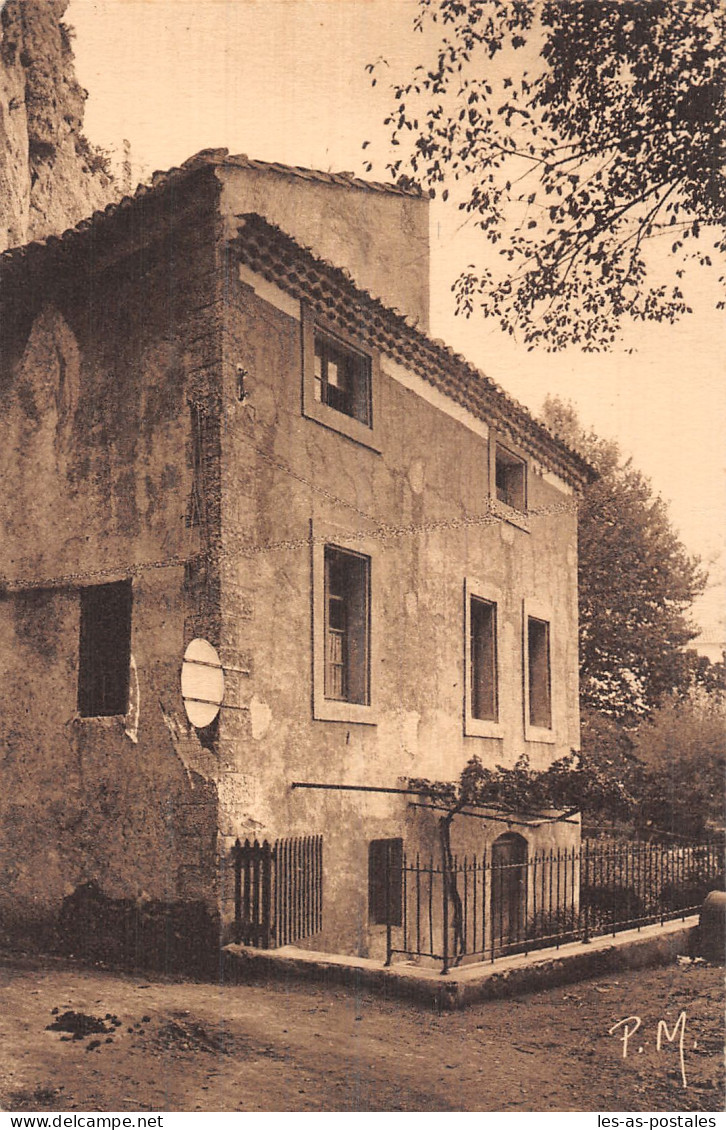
(508, 892)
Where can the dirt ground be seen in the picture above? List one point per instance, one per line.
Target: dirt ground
(186, 1046)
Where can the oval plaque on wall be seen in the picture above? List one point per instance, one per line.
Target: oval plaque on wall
(202, 683)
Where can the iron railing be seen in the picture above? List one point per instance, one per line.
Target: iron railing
(482, 908)
(278, 890)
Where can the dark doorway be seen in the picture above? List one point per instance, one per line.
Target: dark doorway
(509, 893)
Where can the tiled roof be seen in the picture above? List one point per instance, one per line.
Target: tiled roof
(294, 268)
(209, 158)
(346, 180)
(275, 255)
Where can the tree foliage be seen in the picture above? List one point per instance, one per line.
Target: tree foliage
(664, 777)
(681, 754)
(568, 785)
(573, 132)
(636, 583)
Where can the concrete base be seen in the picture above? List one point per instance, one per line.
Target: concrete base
(508, 976)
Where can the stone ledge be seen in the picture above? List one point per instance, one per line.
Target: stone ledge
(508, 976)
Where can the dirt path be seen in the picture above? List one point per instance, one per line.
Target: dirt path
(172, 1045)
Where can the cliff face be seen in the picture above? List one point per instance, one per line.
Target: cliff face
(50, 178)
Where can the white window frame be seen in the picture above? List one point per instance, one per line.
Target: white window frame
(325, 414)
(538, 610)
(482, 727)
(337, 710)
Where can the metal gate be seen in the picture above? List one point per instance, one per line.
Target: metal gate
(278, 890)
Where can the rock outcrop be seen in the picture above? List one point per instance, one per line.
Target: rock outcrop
(50, 177)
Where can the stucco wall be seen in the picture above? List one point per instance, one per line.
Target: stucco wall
(98, 365)
(288, 481)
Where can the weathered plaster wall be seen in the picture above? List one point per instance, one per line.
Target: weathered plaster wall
(99, 361)
(127, 452)
(286, 477)
(382, 239)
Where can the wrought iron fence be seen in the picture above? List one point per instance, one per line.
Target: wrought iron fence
(489, 906)
(278, 890)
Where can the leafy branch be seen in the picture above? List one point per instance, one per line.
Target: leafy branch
(608, 104)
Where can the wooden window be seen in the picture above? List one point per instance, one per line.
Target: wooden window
(347, 626)
(511, 478)
(105, 649)
(342, 378)
(385, 881)
(483, 659)
(538, 655)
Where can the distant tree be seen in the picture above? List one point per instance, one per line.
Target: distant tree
(607, 749)
(573, 132)
(682, 754)
(710, 677)
(636, 582)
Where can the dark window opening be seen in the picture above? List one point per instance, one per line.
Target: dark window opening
(347, 626)
(385, 881)
(105, 649)
(342, 378)
(511, 479)
(538, 652)
(483, 645)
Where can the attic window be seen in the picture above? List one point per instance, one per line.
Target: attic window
(340, 381)
(342, 377)
(511, 479)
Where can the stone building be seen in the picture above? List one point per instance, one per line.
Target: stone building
(223, 421)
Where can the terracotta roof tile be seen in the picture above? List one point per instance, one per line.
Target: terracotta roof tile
(210, 158)
(277, 256)
(271, 252)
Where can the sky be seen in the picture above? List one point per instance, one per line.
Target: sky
(285, 80)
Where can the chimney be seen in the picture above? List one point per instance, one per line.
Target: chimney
(378, 233)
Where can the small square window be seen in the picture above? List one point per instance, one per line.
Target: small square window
(538, 656)
(347, 626)
(385, 882)
(105, 650)
(483, 659)
(342, 378)
(511, 479)
(341, 386)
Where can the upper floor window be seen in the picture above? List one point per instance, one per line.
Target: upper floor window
(347, 630)
(539, 680)
(482, 602)
(483, 659)
(511, 478)
(105, 650)
(342, 377)
(341, 381)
